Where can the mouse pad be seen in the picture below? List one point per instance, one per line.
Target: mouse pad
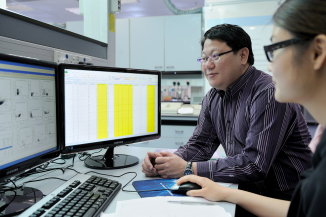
(145, 185)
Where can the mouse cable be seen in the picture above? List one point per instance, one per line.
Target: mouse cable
(44, 168)
(2, 208)
(85, 155)
(166, 189)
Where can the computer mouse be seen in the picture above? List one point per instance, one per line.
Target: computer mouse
(184, 187)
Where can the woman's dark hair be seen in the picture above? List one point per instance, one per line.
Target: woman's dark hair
(234, 36)
(304, 19)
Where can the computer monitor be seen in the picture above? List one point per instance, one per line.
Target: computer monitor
(28, 119)
(105, 107)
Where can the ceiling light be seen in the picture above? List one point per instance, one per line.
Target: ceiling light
(129, 1)
(74, 10)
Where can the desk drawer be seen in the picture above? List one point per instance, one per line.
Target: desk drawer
(164, 143)
(171, 131)
(168, 143)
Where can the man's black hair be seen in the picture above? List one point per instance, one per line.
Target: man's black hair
(234, 36)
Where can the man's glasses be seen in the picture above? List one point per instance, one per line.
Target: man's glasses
(269, 50)
(214, 58)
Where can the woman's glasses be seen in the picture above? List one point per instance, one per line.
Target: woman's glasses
(269, 50)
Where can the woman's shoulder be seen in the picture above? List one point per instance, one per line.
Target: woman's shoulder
(310, 195)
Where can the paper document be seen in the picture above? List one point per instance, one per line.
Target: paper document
(107, 215)
(168, 207)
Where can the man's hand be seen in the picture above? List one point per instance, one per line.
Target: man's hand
(170, 165)
(147, 166)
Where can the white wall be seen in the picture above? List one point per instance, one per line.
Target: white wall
(255, 17)
(75, 26)
(3, 4)
(95, 19)
(122, 50)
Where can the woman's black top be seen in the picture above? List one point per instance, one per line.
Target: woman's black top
(309, 197)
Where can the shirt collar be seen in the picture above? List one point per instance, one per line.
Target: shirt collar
(238, 85)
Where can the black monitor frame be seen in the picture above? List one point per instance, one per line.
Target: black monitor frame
(112, 143)
(21, 167)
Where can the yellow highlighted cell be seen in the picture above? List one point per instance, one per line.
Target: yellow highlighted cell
(123, 110)
(102, 112)
(150, 108)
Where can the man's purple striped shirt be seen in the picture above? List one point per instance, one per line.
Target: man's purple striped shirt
(266, 142)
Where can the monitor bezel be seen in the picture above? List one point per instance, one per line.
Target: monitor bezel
(24, 166)
(110, 143)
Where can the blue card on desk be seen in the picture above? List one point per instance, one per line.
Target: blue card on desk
(155, 184)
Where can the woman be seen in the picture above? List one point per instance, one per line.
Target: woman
(298, 64)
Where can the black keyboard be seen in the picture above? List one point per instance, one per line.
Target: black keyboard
(83, 195)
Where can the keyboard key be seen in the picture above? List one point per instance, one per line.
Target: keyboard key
(95, 206)
(87, 206)
(90, 212)
(60, 206)
(37, 213)
(113, 185)
(47, 205)
(101, 190)
(83, 192)
(73, 209)
(75, 184)
(90, 194)
(64, 210)
(95, 196)
(56, 209)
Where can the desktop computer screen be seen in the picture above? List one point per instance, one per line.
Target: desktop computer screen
(28, 128)
(107, 107)
(28, 117)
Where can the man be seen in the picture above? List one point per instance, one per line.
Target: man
(266, 142)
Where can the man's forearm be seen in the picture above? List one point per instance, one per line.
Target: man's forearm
(257, 204)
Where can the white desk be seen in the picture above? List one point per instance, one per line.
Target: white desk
(48, 186)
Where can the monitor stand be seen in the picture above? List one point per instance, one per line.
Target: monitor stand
(25, 198)
(110, 161)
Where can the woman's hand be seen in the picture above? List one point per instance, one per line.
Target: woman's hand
(254, 203)
(210, 190)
